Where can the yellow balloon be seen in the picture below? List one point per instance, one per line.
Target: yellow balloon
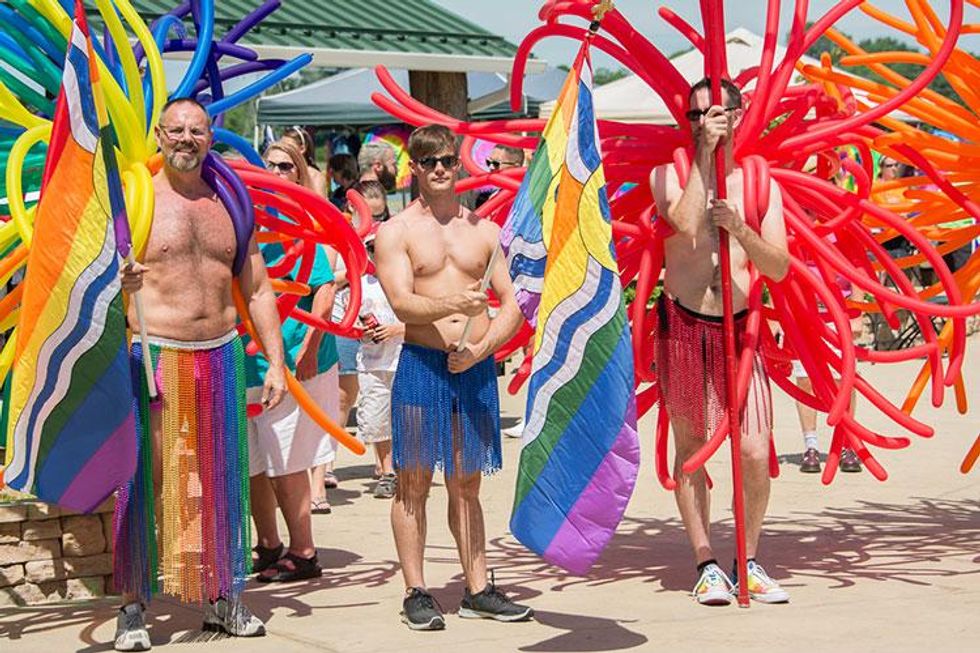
(21, 216)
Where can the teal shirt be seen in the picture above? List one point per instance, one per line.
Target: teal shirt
(293, 331)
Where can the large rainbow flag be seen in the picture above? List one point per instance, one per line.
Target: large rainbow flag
(581, 455)
(70, 426)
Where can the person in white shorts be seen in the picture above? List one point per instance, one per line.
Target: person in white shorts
(377, 361)
(284, 442)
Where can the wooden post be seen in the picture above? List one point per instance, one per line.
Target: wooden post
(445, 92)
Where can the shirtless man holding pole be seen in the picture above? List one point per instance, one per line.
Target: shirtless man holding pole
(430, 259)
(690, 344)
(193, 453)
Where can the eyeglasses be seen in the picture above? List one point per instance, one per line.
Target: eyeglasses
(890, 165)
(381, 217)
(695, 114)
(174, 133)
(447, 161)
(494, 164)
(281, 166)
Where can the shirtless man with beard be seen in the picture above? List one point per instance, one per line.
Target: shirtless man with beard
(193, 468)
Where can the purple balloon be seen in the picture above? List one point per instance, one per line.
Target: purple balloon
(233, 194)
(250, 21)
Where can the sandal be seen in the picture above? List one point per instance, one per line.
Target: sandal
(320, 507)
(265, 558)
(291, 568)
(330, 480)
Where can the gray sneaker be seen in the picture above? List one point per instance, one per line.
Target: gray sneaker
(232, 617)
(491, 603)
(131, 632)
(385, 489)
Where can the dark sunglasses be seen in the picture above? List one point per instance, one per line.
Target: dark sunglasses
(695, 114)
(447, 161)
(493, 164)
(283, 166)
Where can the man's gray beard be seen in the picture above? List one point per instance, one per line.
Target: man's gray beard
(386, 179)
(182, 164)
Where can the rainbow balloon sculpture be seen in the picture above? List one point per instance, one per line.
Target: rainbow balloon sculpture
(834, 233)
(33, 41)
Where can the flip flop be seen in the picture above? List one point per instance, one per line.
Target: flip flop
(291, 568)
(320, 507)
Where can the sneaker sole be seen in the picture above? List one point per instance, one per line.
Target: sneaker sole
(467, 613)
(436, 623)
(136, 646)
(218, 628)
(778, 598)
(810, 470)
(716, 598)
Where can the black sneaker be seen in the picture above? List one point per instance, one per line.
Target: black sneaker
(420, 611)
(491, 603)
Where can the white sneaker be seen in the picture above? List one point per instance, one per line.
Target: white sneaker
(515, 431)
(713, 587)
(232, 617)
(131, 632)
(762, 588)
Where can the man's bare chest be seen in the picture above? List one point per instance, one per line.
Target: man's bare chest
(192, 232)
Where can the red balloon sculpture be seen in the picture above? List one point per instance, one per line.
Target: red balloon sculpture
(833, 233)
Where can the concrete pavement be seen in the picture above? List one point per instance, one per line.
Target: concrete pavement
(871, 566)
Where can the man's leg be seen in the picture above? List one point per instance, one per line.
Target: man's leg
(466, 525)
(810, 462)
(382, 451)
(131, 633)
(263, 504)
(292, 492)
(691, 493)
(408, 522)
(755, 481)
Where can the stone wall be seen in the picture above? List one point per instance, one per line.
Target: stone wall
(48, 554)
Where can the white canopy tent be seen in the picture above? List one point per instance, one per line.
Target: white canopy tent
(630, 99)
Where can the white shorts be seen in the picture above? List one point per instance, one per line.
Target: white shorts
(374, 406)
(286, 440)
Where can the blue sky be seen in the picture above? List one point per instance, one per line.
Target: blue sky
(515, 18)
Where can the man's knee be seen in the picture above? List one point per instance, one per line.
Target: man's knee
(413, 485)
(755, 450)
(463, 487)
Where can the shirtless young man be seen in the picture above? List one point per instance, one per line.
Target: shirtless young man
(445, 413)
(690, 344)
(193, 447)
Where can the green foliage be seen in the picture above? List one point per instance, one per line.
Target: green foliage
(604, 75)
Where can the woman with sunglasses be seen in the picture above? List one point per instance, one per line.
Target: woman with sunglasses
(285, 443)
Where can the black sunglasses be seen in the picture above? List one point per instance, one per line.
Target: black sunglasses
(447, 161)
(284, 166)
(493, 164)
(695, 114)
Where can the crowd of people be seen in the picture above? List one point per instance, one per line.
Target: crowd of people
(424, 384)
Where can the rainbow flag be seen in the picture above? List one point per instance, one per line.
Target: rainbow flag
(70, 426)
(581, 455)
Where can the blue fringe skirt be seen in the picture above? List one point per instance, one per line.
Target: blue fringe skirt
(441, 420)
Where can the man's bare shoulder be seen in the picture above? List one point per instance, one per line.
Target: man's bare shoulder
(664, 182)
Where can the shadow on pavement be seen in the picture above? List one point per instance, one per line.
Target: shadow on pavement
(913, 542)
(919, 542)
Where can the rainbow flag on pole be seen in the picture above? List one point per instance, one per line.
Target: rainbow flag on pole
(581, 455)
(70, 431)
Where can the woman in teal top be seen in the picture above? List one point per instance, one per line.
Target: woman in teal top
(285, 443)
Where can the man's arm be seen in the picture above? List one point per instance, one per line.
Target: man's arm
(261, 300)
(767, 249)
(682, 208)
(397, 278)
(502, 327)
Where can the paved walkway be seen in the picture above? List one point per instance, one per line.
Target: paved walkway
(871, 566)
